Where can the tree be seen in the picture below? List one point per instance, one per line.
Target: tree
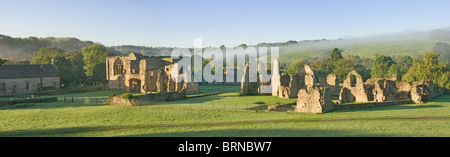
(429, 68)
(50, 55)
(339, 66)
(76, 59)
(243, 46)
(394, 70)
(362, 70)
(46, 54)
(2, 62)
(94, 58)
(295, 67)
(381, 66)
(403, 63)
(336, 54)
(342, 68)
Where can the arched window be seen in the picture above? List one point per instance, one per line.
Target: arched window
(353, 81)
(118, 67)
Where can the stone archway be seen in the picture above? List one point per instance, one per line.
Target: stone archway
(135, 85)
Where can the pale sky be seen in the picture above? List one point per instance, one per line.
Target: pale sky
(230, 22)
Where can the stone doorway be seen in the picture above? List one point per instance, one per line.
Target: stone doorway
(135, 85)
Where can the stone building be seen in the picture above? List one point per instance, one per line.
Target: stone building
(281, 85)
(288, 85)
(314, 100)
(143, 74)
(18, 79)
(384, 89)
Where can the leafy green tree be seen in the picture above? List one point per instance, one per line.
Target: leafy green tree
(403, 63)
(381, 66)
(295, 67)
(362, 70)
(94, 58)
(243, 46)
(76, 59)
(342, 68)
(2, 62)
(336, 54)
(319, 68)
(339, 66)
(429, 68)
(394, 70)
(47, 55)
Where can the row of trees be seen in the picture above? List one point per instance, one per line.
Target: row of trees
(79, 66)
(24, 47)
(424, 67)
(339, 65)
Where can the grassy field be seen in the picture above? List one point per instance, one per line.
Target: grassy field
(220, 115)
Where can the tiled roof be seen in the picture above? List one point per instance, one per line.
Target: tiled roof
(28, 71)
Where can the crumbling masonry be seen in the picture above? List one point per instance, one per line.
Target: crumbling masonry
(142, 74)
(384, 89)
(288, 85)
(282, 85)
(313, 99)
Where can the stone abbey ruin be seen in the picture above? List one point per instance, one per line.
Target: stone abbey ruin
(317, 99)
(152, 76)
(149, 75)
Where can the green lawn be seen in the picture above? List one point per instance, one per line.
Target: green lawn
(220, 115)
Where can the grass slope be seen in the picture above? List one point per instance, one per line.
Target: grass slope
(408, 48)
(221, 115)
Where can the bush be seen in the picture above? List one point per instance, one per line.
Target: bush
(112, 95)
(126, 96)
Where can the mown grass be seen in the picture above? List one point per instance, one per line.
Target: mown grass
(239, 117)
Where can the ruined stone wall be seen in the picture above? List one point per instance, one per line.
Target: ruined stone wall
(315, 100)
(275, 80)
(289, 86)
(384, 90)
(143, 74)
(329, 81)
(247, 87)
(353, 90)
(422, 91)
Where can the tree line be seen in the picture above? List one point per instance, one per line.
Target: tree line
(87, 65)
(429, 65)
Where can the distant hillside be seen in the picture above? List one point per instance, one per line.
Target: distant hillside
(406, 43)
(148, 51)
(390, 48)
(23, 48)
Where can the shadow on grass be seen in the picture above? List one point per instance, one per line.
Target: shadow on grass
(442, 98)
(386, 108)
(50, 105)
(51, 132)
(257, 108)
(71, 131)
(265, 133)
